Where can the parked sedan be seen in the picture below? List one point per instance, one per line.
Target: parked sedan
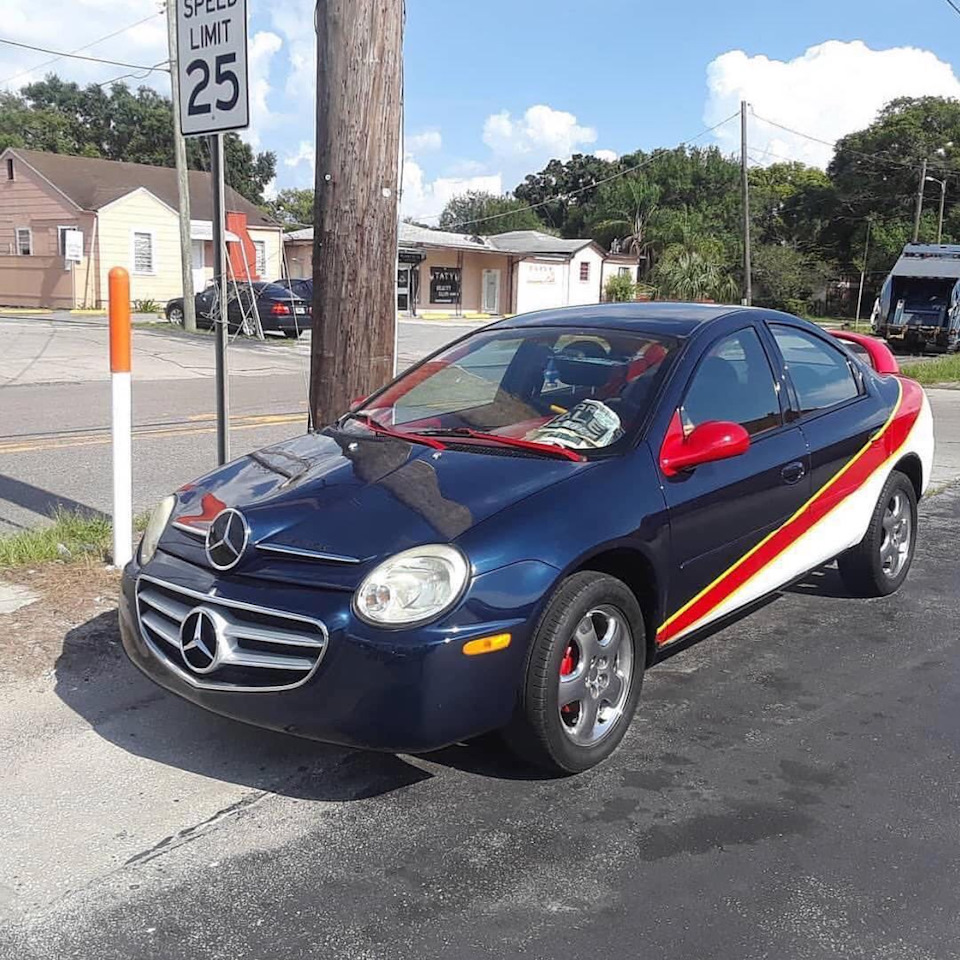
(301, 287)
(279, 308)
(510, 533)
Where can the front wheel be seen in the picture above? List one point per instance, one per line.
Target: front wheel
(175, 316)
(880, 562)
(583, 677)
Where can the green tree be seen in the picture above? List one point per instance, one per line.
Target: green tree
(622, 214)
(786, 279)
(564, 191)
(119, 124)
(620, 289)
(292, 207)
(696, 270)
(471, 212)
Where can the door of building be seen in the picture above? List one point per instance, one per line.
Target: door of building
(403, 288)
(491, 291)
(199, 274)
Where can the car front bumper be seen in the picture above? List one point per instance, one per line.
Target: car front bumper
(407, 691)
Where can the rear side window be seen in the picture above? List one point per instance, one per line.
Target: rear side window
(821, 374)
(733, 382)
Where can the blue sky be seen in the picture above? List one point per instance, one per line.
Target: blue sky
(495, 88)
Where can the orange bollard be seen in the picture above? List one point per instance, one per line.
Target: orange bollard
(122, 416)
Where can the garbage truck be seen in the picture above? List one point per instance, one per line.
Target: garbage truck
(919, 304)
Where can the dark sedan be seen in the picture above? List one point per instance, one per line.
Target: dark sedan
(280, 309)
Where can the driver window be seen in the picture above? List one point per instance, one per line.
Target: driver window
(733, 382)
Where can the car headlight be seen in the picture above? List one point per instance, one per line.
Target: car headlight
(413, 586)
(155, 527)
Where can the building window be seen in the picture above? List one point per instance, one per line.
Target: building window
(623, 271)
(9, 168)
(143, 252)
(260, 250)
(24, 242)
(584, 270)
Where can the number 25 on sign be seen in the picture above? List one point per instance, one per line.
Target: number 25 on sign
(212, 66)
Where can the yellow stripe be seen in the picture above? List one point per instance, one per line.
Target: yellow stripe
(797, 513)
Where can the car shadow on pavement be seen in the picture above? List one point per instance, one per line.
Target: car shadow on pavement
(823, 582)
(96, 681)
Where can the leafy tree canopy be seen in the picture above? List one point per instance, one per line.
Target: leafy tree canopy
(472, 213)
(119, 124)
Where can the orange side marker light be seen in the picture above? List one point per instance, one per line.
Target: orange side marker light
(473, 648)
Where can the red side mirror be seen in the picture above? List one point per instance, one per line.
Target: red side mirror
(713, 440)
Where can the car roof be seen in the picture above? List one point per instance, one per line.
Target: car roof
(670, 319)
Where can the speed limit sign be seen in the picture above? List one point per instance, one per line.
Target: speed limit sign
(212, 66)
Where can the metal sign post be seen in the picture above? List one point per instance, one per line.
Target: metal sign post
(214, 99)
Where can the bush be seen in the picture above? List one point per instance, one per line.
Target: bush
(620, 289)
(146, 306)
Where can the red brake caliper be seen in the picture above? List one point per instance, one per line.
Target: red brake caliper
(567, 665)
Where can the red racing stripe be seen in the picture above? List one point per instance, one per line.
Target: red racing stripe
(870, 458)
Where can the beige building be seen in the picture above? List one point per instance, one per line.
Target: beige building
(451, 273)
(65, 221)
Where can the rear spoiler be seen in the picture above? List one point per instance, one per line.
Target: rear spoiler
(881, 356)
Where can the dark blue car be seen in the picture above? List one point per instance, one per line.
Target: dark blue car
(510, 533)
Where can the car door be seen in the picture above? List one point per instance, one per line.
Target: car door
(721, 512)
(838, 413)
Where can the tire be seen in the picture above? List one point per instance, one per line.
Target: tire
(175, 316)
(566, 658)
(292, 334)
(879, 564)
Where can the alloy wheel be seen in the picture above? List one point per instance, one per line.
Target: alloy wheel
(595, 676)
(895, 542)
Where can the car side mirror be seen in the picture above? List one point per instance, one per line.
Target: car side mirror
(710, 441)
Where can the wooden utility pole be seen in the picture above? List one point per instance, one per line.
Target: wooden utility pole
(745, 190)
(919, 210)
(183, 182)
(359, 71)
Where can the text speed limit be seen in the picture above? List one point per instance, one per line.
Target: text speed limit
(212, 65)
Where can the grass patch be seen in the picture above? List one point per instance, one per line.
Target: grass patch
(945, 369)
(73, 535)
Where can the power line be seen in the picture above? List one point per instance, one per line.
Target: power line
(136, 74)
(86, 46)
(878, 157)
(77, 56)
(592, 186)
(955, 7)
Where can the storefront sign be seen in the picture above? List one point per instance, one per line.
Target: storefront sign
(73, 245)
(444, 284)
(541, 273)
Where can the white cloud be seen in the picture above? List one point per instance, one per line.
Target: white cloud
(425, 199)
(424, 142)
(262, 48)
(541, 134)
(610, 156)
(831, 90)
(70, 24)
(304, 155)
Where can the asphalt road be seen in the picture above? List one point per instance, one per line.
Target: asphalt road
(55, 408)
(788, 789)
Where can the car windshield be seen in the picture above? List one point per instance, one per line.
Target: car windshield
(578, 389)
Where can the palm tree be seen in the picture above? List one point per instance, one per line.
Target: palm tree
(624, 210)
(695, 271)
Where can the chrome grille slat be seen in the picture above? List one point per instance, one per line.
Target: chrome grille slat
(167, 606)
(166, 631)
(243, 631)
(256, 648)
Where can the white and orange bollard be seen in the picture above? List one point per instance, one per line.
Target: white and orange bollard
(122, 417)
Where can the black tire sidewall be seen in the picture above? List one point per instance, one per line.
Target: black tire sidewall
(539, 708)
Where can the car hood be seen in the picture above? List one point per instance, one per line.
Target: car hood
(362, 496)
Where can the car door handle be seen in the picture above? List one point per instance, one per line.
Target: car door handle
(792, 472)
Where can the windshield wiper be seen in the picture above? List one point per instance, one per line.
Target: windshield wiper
(377, 427)
(548, 449)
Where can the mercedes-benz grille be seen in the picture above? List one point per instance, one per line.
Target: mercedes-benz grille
(226, 645)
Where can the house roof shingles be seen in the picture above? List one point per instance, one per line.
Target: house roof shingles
(92, 183)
